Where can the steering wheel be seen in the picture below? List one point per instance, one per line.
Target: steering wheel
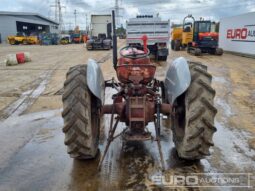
(134, 55)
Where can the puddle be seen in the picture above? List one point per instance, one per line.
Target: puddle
(234, 147)
(228, 112)
(221, 80)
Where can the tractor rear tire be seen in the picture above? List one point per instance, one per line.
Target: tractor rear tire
(188, 49)
(24, 42)
(172, 44)
(192, 125)
(80, 114)
(162, 58)
(12, 42)
(177, 45)
(219, 51)
(197, 52)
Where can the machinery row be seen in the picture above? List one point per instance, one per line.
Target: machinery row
(196, 37)
(48, 38)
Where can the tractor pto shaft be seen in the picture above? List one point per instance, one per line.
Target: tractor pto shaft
(107, 109)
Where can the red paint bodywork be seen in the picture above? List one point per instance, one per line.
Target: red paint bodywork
(135, 103)
(138, 70)
(214, 35)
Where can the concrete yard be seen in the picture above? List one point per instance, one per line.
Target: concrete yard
(33, 155)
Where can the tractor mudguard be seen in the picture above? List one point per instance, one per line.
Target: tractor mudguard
(95, 80)
(177, 79)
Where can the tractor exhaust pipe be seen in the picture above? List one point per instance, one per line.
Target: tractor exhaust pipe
(114, 45)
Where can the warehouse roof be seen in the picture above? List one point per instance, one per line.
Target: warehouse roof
(27, 14)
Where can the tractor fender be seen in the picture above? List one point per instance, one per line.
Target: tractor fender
(95, 80)
(177, 79)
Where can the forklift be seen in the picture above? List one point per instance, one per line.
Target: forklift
(204, 41)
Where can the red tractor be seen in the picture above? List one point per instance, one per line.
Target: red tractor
(186, 96)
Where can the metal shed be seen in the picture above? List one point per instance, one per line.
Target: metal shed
(29, 23)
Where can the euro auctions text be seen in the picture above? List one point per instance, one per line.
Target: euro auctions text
(235, 180)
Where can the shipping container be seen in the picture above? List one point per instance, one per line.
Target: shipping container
(237, 34)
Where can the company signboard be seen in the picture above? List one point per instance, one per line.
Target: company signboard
(237, 34)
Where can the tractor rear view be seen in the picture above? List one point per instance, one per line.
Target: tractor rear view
(186, 96)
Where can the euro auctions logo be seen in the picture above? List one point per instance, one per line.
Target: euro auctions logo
(205, 180)
(244, 34)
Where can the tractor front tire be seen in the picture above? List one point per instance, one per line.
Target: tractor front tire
(193, 124)
(80, 114)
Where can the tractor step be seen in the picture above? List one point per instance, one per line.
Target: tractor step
(136, 136)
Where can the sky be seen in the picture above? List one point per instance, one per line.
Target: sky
(173, 10)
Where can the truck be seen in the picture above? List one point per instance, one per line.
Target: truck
(101, 29)
(101, 24)
(237, 34)
(156, 30)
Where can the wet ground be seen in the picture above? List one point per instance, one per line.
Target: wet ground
(33, 156)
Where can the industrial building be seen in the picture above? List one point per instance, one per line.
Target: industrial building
(29, 23)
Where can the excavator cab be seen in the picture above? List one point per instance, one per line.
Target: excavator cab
(204, 41)
(200, 29)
